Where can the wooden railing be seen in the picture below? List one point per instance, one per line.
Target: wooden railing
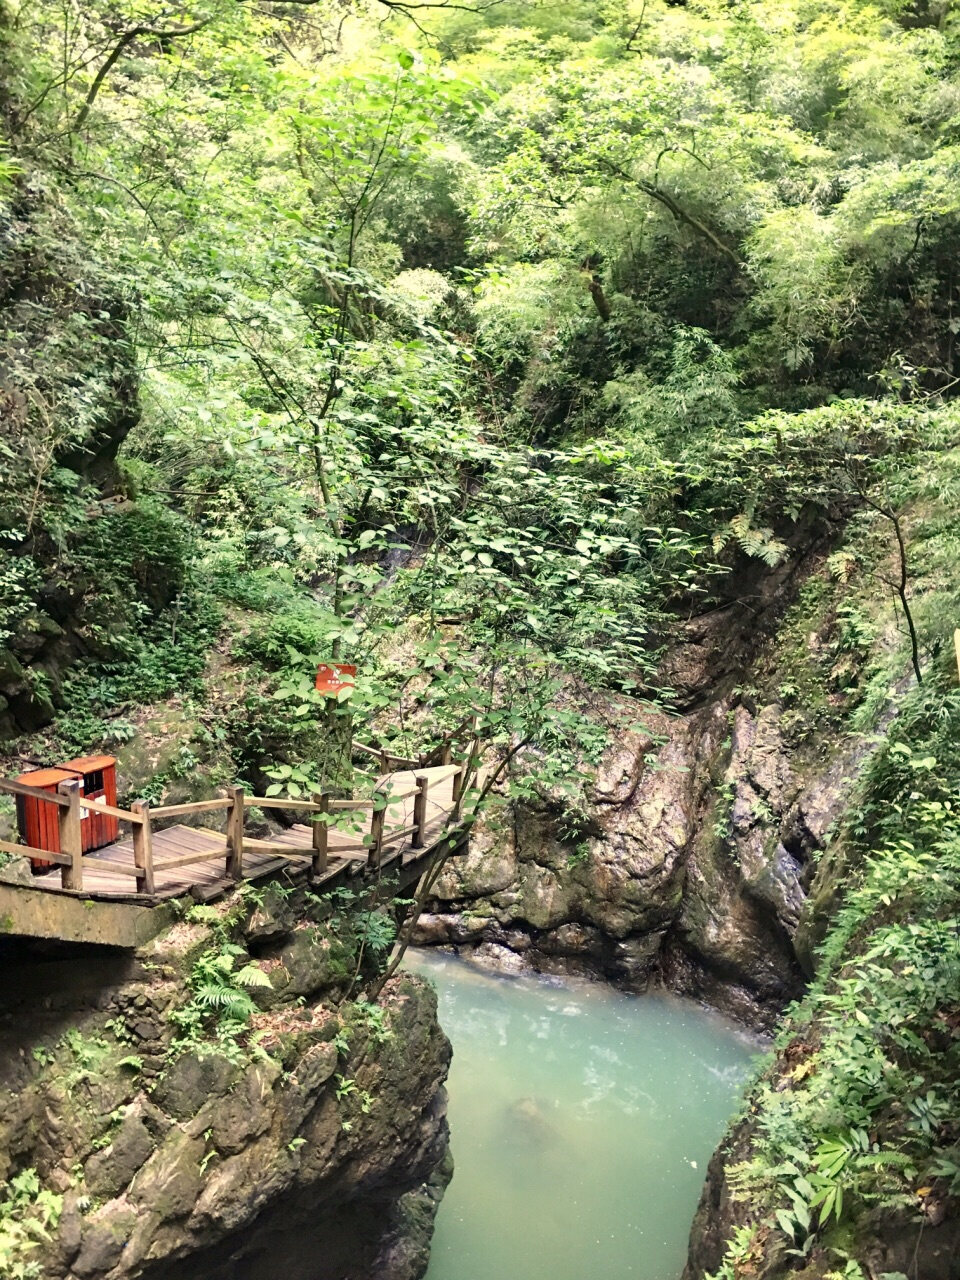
(71, 802)
(324, 807)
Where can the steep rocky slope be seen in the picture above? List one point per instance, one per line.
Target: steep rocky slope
(891, 1243)
(173, 1140)
(690, 854)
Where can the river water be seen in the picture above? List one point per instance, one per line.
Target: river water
(582, 1122)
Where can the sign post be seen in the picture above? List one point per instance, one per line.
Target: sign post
(335, 683)
(334, 677)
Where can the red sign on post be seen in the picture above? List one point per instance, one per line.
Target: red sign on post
(335, 677)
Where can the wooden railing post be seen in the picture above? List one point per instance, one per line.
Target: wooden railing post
(321, 836)
(235, 834)
(378, 818)
(472, 760)
(418, 838)
(459, 778)
(143, 847)
(446, 752)
(71, 835)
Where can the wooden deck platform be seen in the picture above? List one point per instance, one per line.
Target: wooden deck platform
(203, 862)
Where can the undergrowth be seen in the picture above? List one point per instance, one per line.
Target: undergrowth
(859, 1113)
(29, 1213)
(216, 1017)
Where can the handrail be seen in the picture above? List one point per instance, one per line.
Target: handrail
(384, 755)
(27, 851)
(394, 797)
(89, 859)
(468, 725)
(361, 837)
(184, 859)
(99, 806)
(270, 846)
(192, 806)
(391, 837)
(423, 761)
(301, 806)
(53, 797)
(280, 802)
(34, 793)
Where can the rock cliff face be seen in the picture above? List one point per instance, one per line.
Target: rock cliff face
(689, 859)
(690, 862)
(315, 1146)
(898, 1241)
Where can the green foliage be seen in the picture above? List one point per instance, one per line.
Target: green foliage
(29, 1214)
(485, 363)
(291, 639)
(348, 1091)
(861, 1109)
(372, 1017)
(216, 1018)
(527, 355)
(20, 577)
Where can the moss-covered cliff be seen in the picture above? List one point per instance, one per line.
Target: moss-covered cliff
(219, 1103)
(689, 854)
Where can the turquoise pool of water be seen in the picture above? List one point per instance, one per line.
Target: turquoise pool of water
(582, 1122)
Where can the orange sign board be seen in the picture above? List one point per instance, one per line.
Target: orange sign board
(334, 677)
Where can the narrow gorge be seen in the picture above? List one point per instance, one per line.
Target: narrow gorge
(688, 858)
(479, 614)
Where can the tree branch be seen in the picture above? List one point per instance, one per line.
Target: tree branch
(657, 193)
(888, 512)
(681, 215)
(105, 177)
(431, 876)
(630, 47)
(128, 37)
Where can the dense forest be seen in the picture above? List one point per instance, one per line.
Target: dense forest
(505, 350)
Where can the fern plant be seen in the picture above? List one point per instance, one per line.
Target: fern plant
(28, 1214)
(760, 543)
(221, 1000)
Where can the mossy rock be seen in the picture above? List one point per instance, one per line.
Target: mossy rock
(311, 960)
(109, 1170)
(13, 678)
(34, 634)
(33, 710)
(164, 761)
(191, 1080)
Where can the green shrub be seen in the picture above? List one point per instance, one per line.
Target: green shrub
(143, 552)
(860, 1107)
(295, 637)
(28, 1215)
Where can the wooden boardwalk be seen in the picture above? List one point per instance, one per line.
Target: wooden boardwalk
(402, 820)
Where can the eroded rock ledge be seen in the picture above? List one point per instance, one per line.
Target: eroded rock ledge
(322, 1153)
(689, 863)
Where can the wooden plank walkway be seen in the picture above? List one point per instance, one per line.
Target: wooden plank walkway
(420, 805)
